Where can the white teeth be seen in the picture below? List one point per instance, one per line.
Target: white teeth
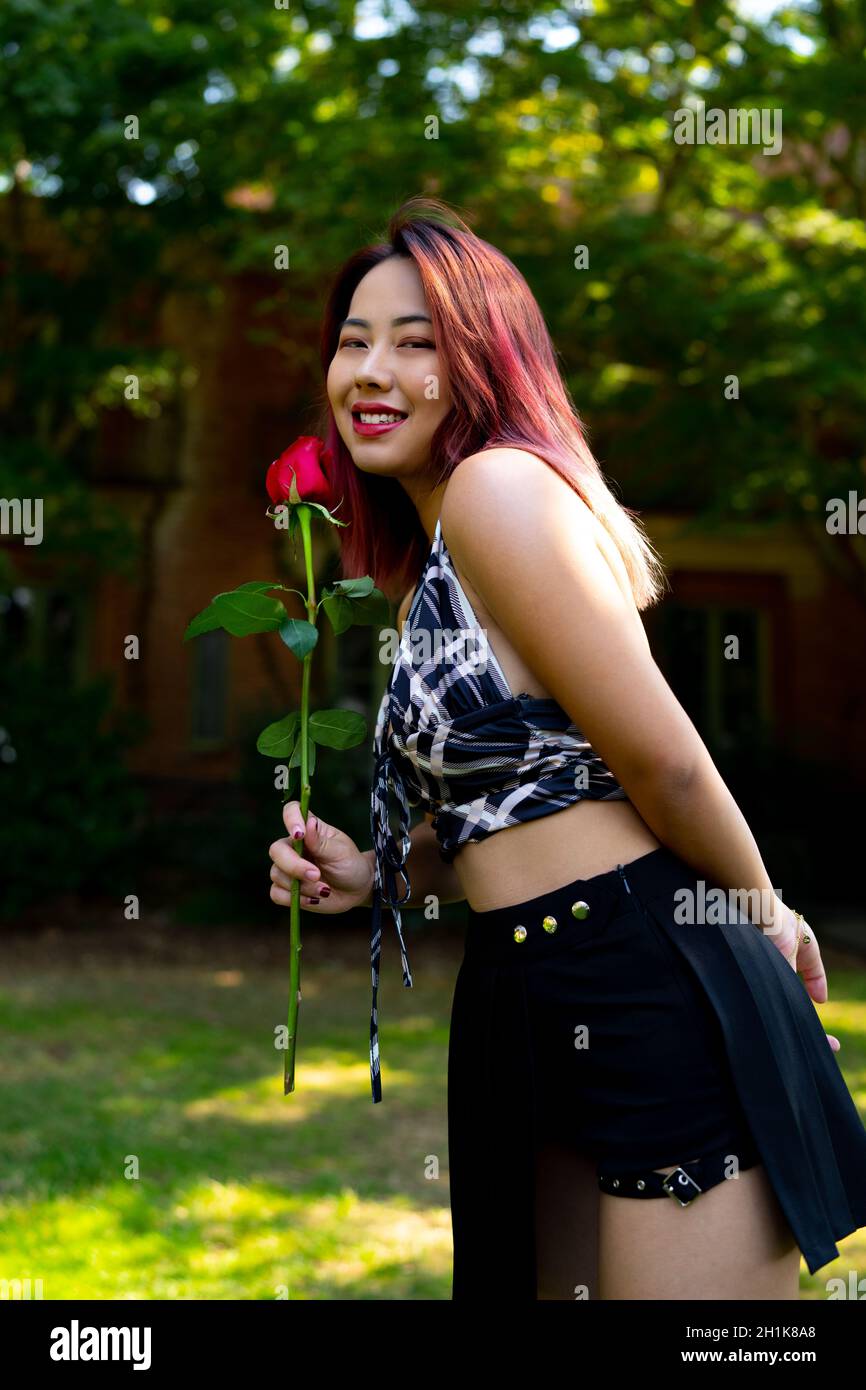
(377, 419)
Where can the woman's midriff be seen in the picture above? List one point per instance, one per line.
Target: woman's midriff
(524, 861)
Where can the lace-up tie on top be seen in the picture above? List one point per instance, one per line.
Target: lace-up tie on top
(451, 736)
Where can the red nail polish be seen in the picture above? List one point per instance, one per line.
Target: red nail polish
(325, 892)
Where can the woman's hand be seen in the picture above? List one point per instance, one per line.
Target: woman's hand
(804, 958)
(342, 876)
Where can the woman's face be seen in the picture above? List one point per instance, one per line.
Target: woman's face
(389, 365)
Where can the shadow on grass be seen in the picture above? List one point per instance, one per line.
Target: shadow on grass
(148, 1151)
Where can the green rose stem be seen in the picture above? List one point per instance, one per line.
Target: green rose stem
(248, 609)
(303, 513)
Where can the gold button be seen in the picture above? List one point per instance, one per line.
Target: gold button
(549, 924)
(580, 909)
(519, 933)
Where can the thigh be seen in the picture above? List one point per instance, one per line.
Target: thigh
(731, 1242)
(566, 1222)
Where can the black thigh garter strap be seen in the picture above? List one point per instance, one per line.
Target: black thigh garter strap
(684, 1184)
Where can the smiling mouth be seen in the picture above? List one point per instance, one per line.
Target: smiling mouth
(378, 417)
(371, 424)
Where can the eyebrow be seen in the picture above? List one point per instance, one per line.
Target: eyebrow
(395, 323)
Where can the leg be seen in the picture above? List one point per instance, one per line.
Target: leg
(731, 1242)
(566, 1223)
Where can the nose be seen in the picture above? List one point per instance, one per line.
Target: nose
(370, 372)
(371, 381)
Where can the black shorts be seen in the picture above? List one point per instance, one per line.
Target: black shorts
(592, 1015)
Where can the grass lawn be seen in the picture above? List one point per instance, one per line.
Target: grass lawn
(147, 1150)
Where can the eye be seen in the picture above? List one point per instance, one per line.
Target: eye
(415, 343)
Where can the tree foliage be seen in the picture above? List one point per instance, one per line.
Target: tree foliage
(178, 143)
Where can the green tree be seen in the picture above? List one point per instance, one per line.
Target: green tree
(171, 143)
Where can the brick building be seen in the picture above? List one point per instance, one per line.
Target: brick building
(191, 482)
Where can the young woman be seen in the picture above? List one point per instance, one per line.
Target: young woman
(615, 1041)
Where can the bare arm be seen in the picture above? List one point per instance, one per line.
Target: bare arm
(592, 655)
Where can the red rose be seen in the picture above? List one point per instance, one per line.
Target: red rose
(305, 463)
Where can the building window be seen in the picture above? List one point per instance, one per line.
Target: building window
(210, 687)
(716, 658)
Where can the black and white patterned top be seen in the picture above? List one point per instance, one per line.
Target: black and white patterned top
(451, 736)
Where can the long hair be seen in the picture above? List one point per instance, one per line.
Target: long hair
(506, 389)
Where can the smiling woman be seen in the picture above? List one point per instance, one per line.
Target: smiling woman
(599, 1048)
(387, 385)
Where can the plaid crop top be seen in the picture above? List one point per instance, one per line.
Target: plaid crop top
(451, 736)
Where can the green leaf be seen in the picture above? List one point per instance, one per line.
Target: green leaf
(371, 610)
(338, 728)
(278, 740)
(299, 636)
(295, 759)
(352, 588)
(205, 621)
(340, 612)
(260, 586)
(243, 611)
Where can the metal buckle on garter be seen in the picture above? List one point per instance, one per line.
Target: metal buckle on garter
(685, 1182)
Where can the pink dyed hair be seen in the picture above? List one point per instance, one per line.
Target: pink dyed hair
(506, 389)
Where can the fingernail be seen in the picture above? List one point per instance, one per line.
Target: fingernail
(313, 900)
(298, 832)
(312, 873)
(325, 892)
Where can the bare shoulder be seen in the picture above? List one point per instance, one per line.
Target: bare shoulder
(504, 497)
(529, 547)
